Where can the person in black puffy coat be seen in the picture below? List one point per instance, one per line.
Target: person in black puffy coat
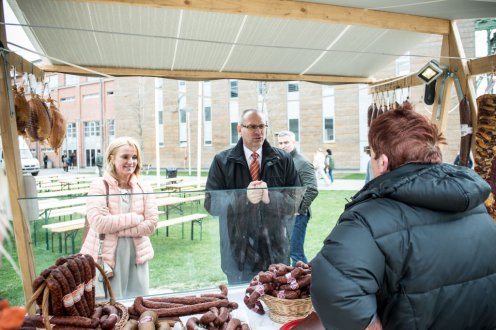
(415, 248)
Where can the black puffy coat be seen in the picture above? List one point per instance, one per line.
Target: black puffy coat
(415, 245)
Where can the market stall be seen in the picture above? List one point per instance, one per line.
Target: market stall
(104, 46)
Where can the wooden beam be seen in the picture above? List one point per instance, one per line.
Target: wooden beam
(207, 75)
(459, 65)
(392, 84)
(12, 159)
(482, 65)
(22, 65)
(299, 10)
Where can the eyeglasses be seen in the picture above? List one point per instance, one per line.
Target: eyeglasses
(254, 127)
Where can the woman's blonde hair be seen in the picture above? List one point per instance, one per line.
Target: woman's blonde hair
(112, 151)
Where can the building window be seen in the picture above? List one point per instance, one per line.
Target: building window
(91, 128)
(53, 81)
(233, 119)
(91, 96)
(234, 88)
(159, 111)
(71, 79)
(293, 87)
(294, 126)
(207, 113)
(183, 128)
(294, 109)
(111, 127)
(328, 113)
(93, 79)
(67, 99)
(234, 132)
(71, 130)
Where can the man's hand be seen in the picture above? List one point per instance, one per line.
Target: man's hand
(257, 193)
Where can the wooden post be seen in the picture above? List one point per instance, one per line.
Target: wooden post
(8, 129)
(459, 64)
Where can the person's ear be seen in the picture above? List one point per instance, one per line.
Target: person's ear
(383, 164)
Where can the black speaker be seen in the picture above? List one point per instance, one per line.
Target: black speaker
(430, 93)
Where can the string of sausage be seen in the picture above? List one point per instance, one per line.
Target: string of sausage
(195, 308)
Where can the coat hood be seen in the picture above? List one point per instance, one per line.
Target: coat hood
(439, 187)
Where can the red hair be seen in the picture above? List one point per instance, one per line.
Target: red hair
(405, 136)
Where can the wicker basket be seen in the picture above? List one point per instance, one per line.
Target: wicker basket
(43, 289)
(285, 310)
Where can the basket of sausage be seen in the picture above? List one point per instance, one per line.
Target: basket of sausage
(284, 290)
(65, 295)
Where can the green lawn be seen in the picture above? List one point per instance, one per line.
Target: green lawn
(182, 264)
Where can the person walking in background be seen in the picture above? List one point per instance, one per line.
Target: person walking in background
(99, 163)
(65, 164)
(253, 220)
(319, 165)
(329, 164)
(414, 249)
(72, 159)
(45, 160)
(306, 174)
(127, 217)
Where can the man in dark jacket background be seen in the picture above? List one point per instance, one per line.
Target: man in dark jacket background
(253, 220)
(414, 249)
(306, 174)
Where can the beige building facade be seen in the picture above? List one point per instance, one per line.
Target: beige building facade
(183, 124)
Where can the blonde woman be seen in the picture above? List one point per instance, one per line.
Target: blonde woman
(127, 217)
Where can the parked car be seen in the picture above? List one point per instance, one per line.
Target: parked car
(29, 163)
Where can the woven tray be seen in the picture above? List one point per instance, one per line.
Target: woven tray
(285, 310)
(43, 289)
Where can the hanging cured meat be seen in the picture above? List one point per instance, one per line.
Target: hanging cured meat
(485, 145)
(59, 127)
(39, 125)
(466, 131)
(21, 110)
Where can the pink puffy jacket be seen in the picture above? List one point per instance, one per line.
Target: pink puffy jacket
(139, 223)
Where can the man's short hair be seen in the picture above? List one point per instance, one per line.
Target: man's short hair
(245, 112)
(291, 135)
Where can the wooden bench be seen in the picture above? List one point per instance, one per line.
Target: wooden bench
(66, 228)
(193, 218)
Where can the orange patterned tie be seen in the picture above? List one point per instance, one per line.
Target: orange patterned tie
(254, 167)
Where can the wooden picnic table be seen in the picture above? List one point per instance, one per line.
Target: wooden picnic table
(187, 184)
(58, 207)
(64, 193)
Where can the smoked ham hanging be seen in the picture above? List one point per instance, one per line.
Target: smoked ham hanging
(59, 127)
(21, 110)
(39, 125)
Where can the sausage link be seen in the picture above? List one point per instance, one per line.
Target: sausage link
(56, 296)
(67, 298)
(192, 323)
(208, 317)
(64, 268)
(79, 290)
(157, 304)
(87, 283)
(181, 311)
(233, 324)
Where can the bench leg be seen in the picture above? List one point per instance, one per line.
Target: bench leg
(192, 229)
(60, 243)
(182, 225)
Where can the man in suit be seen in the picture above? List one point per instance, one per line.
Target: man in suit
(253, 220)
(306, 174)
